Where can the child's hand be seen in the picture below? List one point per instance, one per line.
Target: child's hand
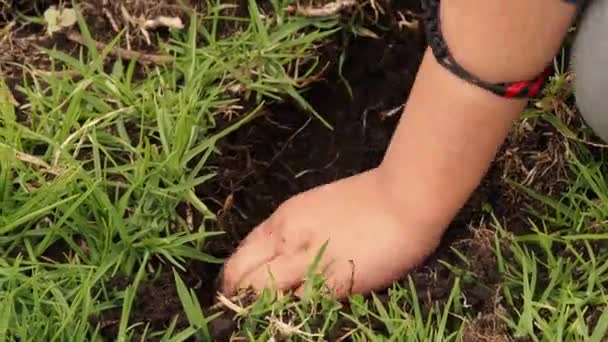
(371, 241)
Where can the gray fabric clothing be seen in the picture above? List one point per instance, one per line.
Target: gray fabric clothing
(590, 67)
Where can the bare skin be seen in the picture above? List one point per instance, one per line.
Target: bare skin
(383, 222)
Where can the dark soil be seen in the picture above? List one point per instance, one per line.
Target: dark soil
(285, 152)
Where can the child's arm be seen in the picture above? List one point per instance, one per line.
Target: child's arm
(451, 129)
(381, 223)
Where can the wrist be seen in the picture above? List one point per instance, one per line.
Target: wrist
(441, 149)
(412, 206)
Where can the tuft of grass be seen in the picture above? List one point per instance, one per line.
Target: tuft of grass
(556, 279)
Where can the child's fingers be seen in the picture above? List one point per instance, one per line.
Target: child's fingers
(257, 249)
(285, 272)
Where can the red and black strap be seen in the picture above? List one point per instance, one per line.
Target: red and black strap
(521, 89)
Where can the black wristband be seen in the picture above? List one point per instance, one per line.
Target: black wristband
(441, 51)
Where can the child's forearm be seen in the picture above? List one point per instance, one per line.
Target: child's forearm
(451, 129)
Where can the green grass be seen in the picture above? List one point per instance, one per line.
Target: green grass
(104, 159)
(557, 276)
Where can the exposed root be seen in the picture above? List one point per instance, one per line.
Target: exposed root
(229, 303)
(287, 330)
